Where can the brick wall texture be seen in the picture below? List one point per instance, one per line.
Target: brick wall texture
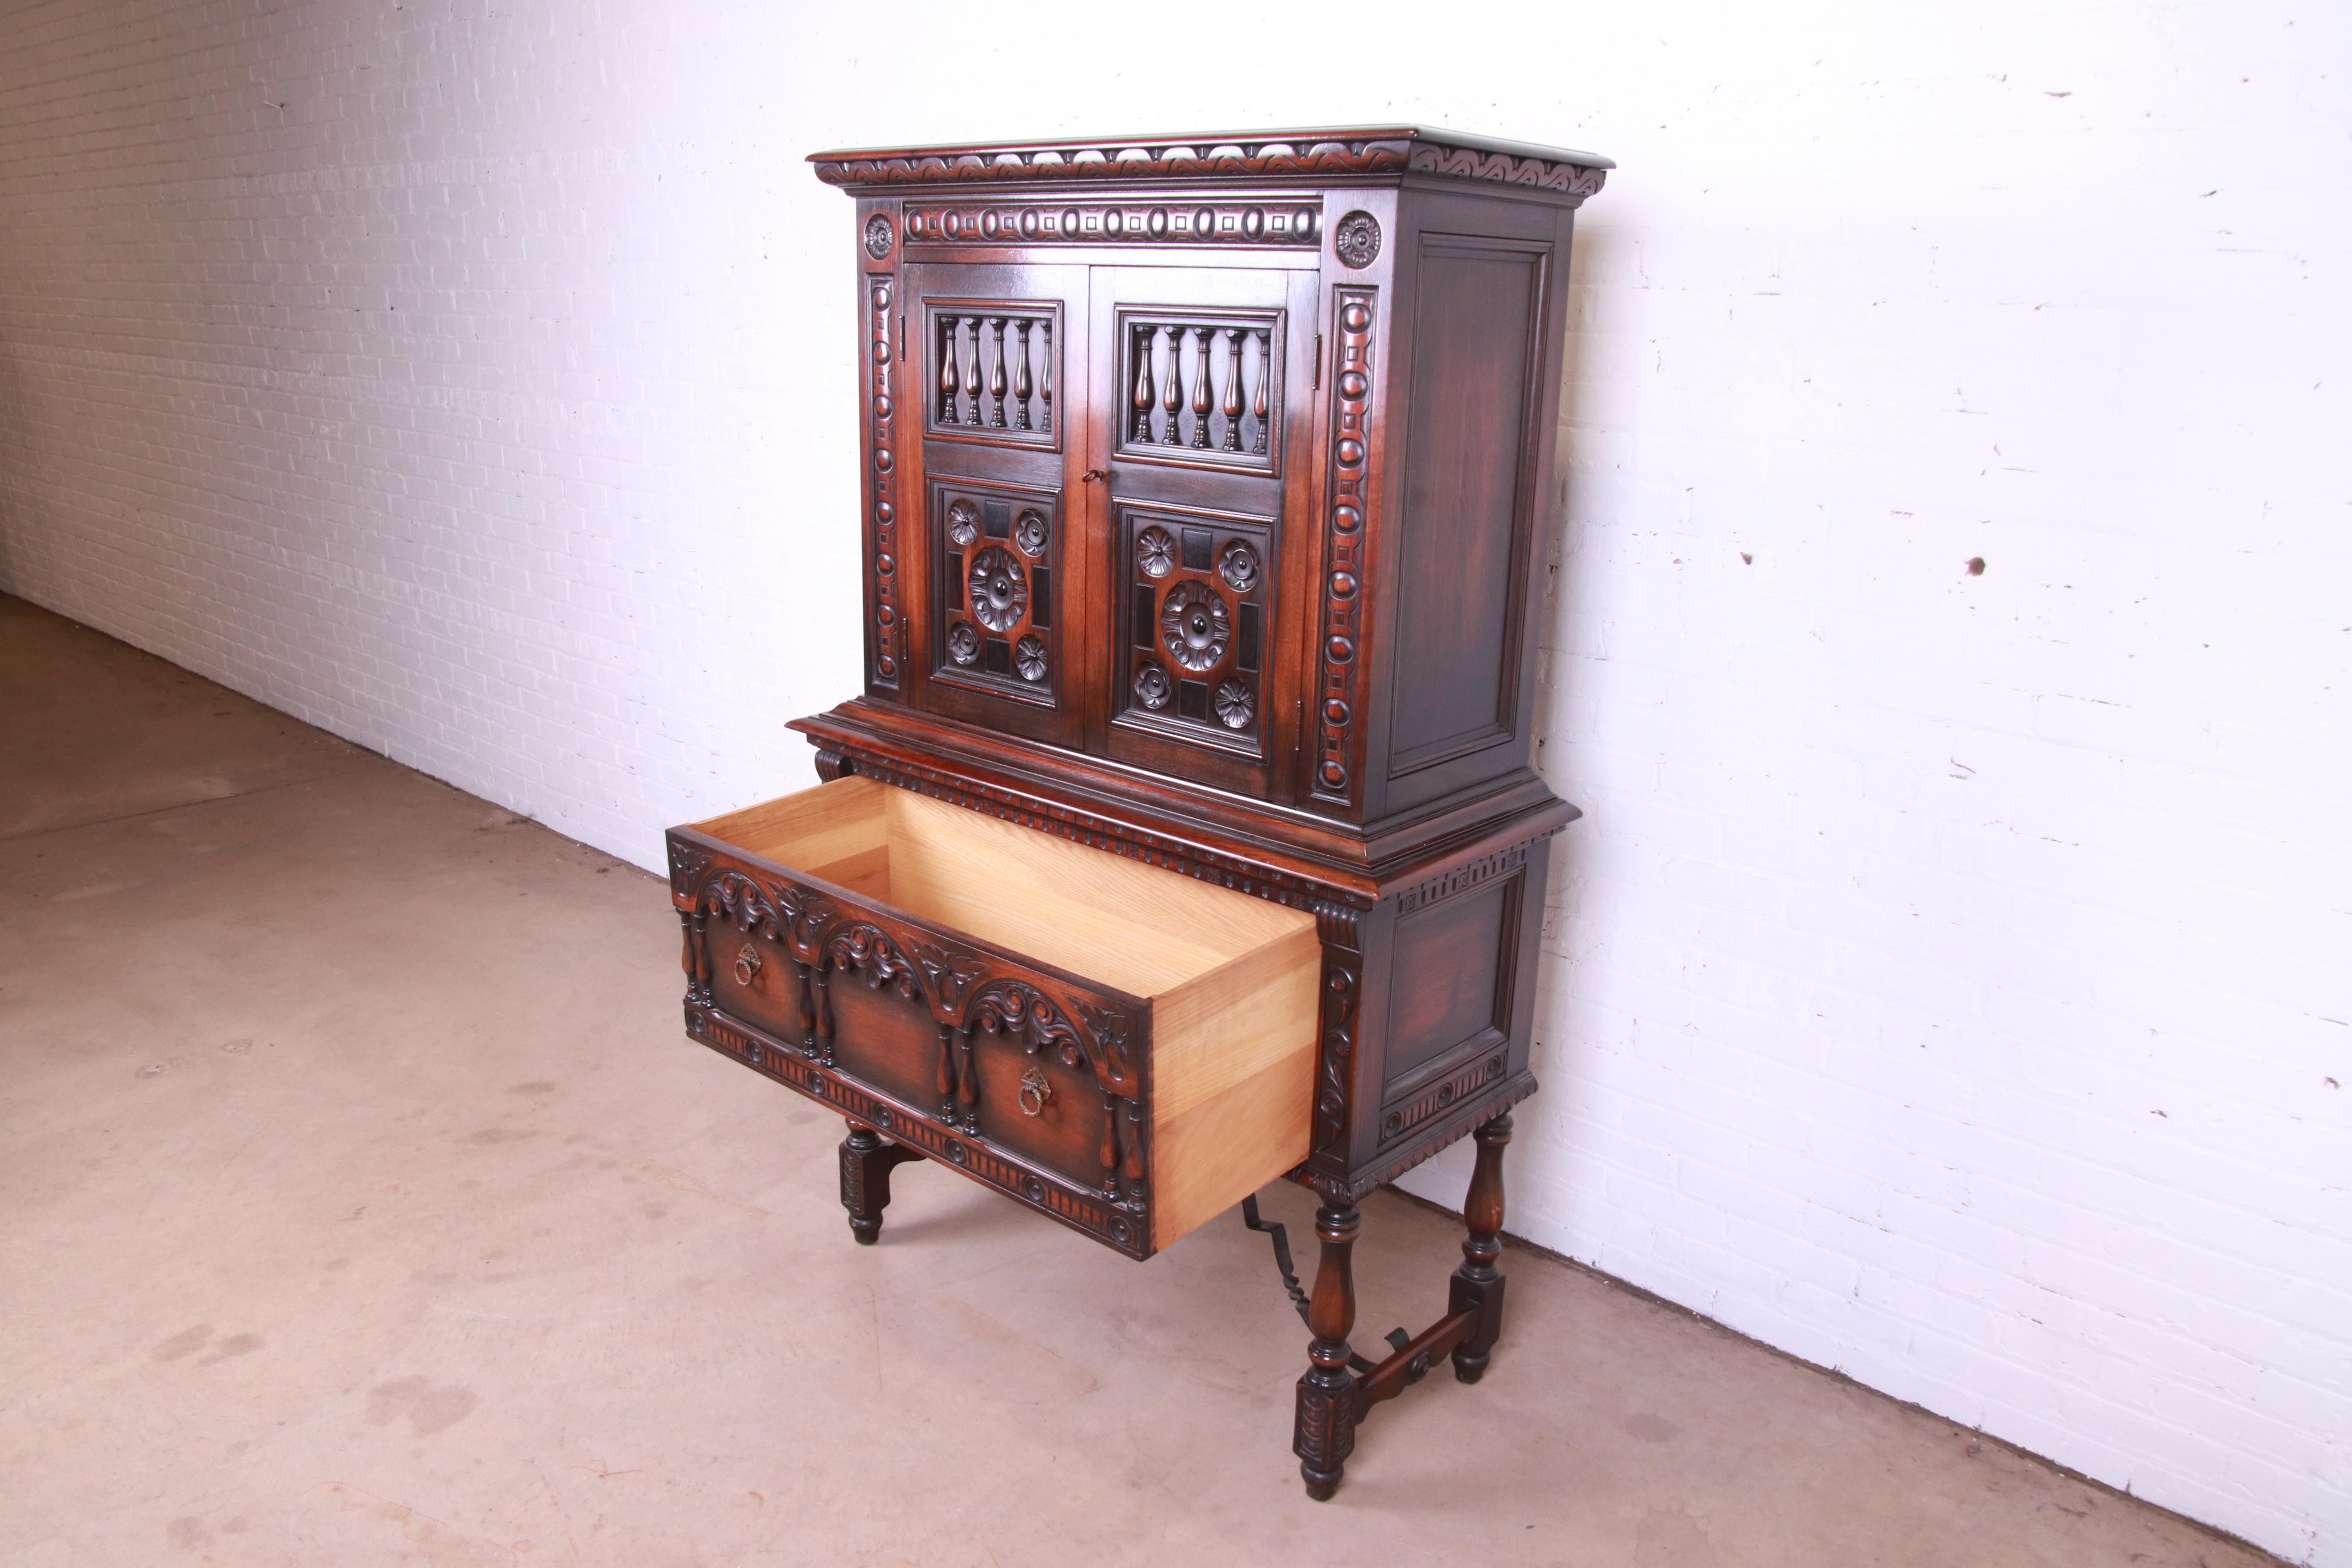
(1951, 981)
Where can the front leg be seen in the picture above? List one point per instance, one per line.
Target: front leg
(1478, 1283)
(1328, 1401)
(866, 1162)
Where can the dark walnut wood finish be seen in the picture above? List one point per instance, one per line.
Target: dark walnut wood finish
(1204, 489)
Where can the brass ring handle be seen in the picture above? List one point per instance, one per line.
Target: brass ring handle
(1035, 1092)
(747, 964)
(1091, 475)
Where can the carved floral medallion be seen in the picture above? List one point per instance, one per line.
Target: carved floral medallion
(1195, 625)
(1000, 589)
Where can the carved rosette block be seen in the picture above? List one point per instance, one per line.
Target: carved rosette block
(1356, 240)
(1354, 463)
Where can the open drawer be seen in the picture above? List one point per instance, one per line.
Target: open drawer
(1127, 1049)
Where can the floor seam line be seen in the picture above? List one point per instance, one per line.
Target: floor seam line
(183, 805)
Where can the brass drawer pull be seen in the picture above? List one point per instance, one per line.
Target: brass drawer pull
(1034, 1091)
(747, 964)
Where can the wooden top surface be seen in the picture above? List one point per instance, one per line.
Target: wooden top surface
(1353, 150)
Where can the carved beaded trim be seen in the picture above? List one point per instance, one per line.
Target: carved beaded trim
(1462, 878)
(1352, 464)
(1125, 1223)
(1440, 1097)
(1032, 224)
(1434, 1136)
(888, 629)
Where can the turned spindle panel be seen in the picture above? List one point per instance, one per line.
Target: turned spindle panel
(993, 371)
(1201, 388)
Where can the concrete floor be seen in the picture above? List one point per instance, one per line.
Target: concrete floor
(361, 1202)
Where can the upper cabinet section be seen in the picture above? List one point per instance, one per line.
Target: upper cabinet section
(1215, 463)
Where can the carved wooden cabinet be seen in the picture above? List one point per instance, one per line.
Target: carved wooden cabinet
(1184, 836)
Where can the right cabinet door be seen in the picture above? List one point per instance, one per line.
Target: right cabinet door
(1211, 372)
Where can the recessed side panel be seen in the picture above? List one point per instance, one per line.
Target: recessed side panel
(1465, 520)
(1454, 992)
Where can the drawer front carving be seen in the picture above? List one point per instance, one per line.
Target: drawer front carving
(996, 1054)
(1128, 1038)
(999, 550)
(1196, 625)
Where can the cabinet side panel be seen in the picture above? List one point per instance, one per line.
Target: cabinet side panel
(1460, 564)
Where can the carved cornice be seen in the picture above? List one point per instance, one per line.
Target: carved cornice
(1577, 180)
(1271, 155)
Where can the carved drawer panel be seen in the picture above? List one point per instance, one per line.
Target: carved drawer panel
(1123, 1047)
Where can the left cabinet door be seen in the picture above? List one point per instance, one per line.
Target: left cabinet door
(992, 503)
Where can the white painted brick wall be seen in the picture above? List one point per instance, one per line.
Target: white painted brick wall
(1951, 981)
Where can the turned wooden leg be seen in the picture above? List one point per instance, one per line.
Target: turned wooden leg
(866, 1162)
(1328, 1408)
(1478, 1283)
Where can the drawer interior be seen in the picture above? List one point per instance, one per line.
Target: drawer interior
(1231, 979)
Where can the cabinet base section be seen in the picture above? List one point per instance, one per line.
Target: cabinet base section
(1336, 1390)
(1123, 1227)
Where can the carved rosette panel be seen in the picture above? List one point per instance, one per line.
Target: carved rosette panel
(1198, 623)
(992, 371)
(998, 550)
(1201, 389)
(1339, 740)
(886, 630)
(1209, 221)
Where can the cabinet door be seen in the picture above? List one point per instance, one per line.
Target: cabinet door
(1200, 389)
(996, 608)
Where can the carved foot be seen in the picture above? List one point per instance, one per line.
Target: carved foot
(866, 1162)
(1329, 1404)
(1477, 1285)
